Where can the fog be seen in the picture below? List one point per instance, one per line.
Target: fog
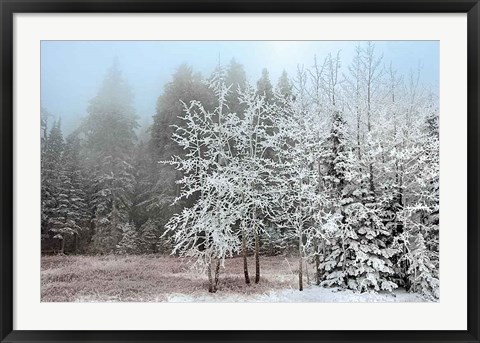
(71, 71)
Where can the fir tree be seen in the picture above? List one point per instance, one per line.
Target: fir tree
(236, 80)
(149, 237)
(422, 272)
(109, 142)
(264, 86)
(109, 230)
(129, 244)
(284, 86)
(51, 176)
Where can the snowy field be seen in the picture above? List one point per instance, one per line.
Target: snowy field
(167, 279)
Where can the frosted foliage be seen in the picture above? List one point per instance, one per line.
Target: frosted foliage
(335, 167)
(129, 244)
(349, 180)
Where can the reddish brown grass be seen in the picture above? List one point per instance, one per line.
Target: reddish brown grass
(151, 278)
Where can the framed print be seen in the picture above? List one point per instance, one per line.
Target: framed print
(241, 171)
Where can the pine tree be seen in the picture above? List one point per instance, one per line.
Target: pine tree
(109, 230)
(264, 86)
(51, 166)
(145, 167)
(129, 244)
(186, 86)
(149, 237)
(78, 213)
(339, 162)
(423, 273)
(109, 142)
(236, 80)
(204, 231)
(300, 140)
(284, 86)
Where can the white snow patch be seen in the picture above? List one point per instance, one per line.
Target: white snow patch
(310, 294)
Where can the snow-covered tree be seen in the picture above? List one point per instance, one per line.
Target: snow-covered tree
(205, 230)
(71, 217)
(129, 244)
(284, 86)
(162, 189)
(300, 142)
(338, 165)
(108, 231)
(264, 85)
(149, 237)
(51, 165)
(109, 131)
(252, 168)
(422, 271)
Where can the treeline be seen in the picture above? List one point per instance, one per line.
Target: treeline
(339, 168)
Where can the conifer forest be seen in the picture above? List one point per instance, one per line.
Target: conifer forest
(321, 184)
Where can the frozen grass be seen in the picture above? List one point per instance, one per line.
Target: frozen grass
(148, 278)
(161, 278)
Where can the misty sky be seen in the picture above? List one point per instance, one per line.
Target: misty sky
(72, 71)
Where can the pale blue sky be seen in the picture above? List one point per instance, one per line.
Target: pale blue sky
(71, 71)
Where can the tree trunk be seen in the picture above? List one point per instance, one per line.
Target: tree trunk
(358, 131)
(245, 261)
(317, 261)
(210, 279)
(76, 243)
(300, 264)
(306, 272)
(257, 257)
(372, 185)
(217, 275)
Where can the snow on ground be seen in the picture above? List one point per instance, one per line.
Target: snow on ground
(310, 294)
(152, 278)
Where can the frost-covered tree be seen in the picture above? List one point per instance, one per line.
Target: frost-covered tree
(360, 253)
(65, 213)
(252, 167)
(108, 231)
(129, 244)
(419, 239)
(204, 231)
(422, 271)
(109, 131)
(337, 165)
(186, 86)
(71, 217)
(298, 203)
(51, 164)
(236, 80)
(284, 86)
(149, 237)
(264, 85)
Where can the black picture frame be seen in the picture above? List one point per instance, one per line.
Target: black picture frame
(7, 173)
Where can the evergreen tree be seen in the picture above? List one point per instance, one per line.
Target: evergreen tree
(338, 163)
(185, 87)
(264, 86)
(109, 230)
(423, 273)
(51, 165)
(77, 211)
(236, 80)
(284, 86)
(129, 244)
(109, 133)
(145, 166)
(149, 237)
